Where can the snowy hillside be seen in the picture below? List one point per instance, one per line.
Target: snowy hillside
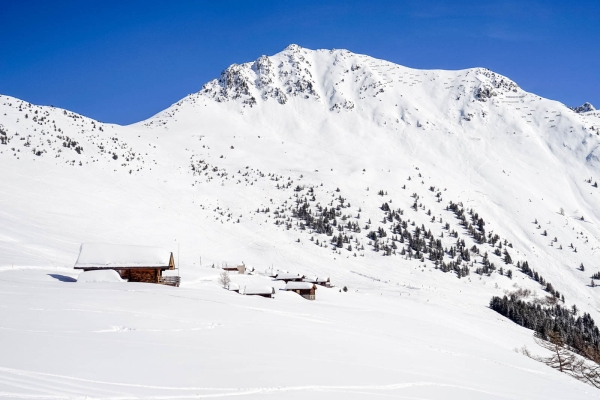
(418, 190)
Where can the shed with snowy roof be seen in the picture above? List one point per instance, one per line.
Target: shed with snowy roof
(304, 289)
(318, 281)
(134, 263)
(234, 267)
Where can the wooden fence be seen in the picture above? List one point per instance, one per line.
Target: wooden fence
(170, 280)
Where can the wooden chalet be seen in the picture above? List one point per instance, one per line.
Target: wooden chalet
(239, 268)
(134, 263)
(304, 289)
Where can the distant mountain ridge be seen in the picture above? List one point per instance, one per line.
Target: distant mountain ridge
(321, 75)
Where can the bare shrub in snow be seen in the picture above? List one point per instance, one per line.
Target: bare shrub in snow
(584, 367)
(224, 278)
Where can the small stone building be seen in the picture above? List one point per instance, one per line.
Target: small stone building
(304, 289)
(134, 263)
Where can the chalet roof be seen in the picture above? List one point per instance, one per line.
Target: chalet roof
(286, 275)
(315, 279)
(299, 286)
(256, 289)
(230, 264)
(103, 255)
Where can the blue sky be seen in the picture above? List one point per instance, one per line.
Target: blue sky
(123, 61)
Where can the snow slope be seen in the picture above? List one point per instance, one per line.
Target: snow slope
(141, 341)
(327, 125)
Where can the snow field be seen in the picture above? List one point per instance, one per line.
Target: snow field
(120, 341)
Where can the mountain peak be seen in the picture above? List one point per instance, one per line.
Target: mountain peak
(586, 107)
(341, 81)
(293, 48)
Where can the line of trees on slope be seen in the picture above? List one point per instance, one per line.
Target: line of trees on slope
(579, 332)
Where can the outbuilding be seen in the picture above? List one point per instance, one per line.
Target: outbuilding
(134, 263)
(239, 268)
(304, 289)
(318, 281)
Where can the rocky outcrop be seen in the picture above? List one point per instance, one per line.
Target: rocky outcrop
(586, 107)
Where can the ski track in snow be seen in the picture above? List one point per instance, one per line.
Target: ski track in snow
(46, 383)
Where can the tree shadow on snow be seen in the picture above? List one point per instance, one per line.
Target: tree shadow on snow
(63, 278)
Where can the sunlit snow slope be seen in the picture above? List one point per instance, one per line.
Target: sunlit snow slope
(220, 177)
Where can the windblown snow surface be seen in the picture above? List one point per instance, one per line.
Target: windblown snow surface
(216, 177)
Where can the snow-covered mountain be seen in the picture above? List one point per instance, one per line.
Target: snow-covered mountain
(390, 180)
(585, 107)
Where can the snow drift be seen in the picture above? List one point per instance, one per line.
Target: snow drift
(110, 276)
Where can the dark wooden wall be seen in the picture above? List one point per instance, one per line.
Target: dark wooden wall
(141, 275)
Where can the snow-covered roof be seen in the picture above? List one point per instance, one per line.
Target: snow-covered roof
(315, 279)
(299, 286)
(103, 255)
(233, 286)
(257, 289)
(230, 264)
(286, 275)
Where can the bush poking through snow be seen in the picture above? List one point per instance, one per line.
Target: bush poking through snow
(583, 365)
(224, 278)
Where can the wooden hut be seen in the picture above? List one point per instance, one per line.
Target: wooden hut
(134, 263)
(304, 289)
(239, 268)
